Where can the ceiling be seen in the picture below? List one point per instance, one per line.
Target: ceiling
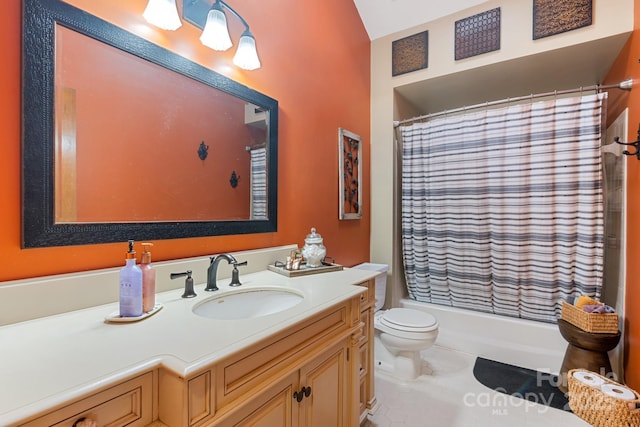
(384, 17)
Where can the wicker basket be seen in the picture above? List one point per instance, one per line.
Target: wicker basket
(604, 323)
(599, 409)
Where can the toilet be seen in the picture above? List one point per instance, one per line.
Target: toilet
(400, 335)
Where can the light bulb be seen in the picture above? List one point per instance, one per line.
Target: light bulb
(216, 33)
(162, 14)
(247, 56)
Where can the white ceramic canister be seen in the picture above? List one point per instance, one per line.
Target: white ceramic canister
(313, 250)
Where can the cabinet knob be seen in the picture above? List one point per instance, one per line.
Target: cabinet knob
(85, 422)
(304, 392)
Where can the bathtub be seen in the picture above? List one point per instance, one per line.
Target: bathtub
(525, 343)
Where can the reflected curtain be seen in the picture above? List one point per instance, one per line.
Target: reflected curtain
(502, 210)
(259, 183)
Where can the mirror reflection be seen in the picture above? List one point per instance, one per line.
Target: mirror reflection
(123, 139)
(138, 142)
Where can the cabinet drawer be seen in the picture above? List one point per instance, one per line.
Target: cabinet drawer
(368, 296)
(365, 318)
(364, 297)
(364, 360)
(129, 403)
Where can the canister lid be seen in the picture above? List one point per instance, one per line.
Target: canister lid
(313, 237)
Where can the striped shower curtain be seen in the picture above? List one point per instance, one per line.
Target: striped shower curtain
(502, 210)
(259, 183)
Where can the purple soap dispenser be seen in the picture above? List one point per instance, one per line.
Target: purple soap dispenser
(130, 286)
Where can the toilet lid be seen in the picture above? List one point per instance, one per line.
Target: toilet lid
(407, 319)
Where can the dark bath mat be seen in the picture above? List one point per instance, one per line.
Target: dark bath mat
(535, 386)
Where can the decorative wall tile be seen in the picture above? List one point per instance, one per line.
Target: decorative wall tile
(478, 34)
(410, 53)
(558, 16)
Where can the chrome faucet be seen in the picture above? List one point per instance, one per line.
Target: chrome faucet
(212, 271)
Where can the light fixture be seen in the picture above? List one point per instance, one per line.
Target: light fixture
(216, 36)
(212, 19)
(162, 14)
(246, 56)
(216, 33)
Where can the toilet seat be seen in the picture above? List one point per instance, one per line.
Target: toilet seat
(407, 323)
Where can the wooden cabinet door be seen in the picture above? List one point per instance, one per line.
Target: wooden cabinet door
(274, 407)
(326, 404)
(285, 403)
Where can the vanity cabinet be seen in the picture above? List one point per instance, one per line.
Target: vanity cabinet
(315, 370)
(129, 403)
(308, 374)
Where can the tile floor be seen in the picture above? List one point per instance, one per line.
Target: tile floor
(450, 396)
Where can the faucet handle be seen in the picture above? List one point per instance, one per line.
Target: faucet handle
(235, 274)
(188, 283)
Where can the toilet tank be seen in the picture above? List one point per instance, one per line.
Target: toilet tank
(381, 280)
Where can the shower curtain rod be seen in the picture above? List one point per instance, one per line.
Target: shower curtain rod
(624, 85)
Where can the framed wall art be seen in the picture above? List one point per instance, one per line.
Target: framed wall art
(410, 54)
(552, 17)
(477, 34)
(350, 167)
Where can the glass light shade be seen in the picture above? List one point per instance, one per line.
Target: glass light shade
(247, 56)
(216, 34)
(162, 14)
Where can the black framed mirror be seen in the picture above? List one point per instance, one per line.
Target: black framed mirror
(167, 155)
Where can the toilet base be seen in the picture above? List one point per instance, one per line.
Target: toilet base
(406, 366)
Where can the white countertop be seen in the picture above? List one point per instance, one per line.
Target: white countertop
(49, 361)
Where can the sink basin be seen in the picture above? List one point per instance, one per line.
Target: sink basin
(247, 304)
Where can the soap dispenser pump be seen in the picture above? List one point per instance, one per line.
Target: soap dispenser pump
(130, 286)
(148, 279)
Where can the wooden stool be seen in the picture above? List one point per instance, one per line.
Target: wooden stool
(586, 350)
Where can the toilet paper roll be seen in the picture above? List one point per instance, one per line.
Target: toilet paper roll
(618, 391)
(588, 378)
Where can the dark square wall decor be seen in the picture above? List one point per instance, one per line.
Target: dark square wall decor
(558, 16)
(478, 34)
(410, 53)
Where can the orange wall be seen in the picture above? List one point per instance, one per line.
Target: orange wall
(315, 61)
(627, 66)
